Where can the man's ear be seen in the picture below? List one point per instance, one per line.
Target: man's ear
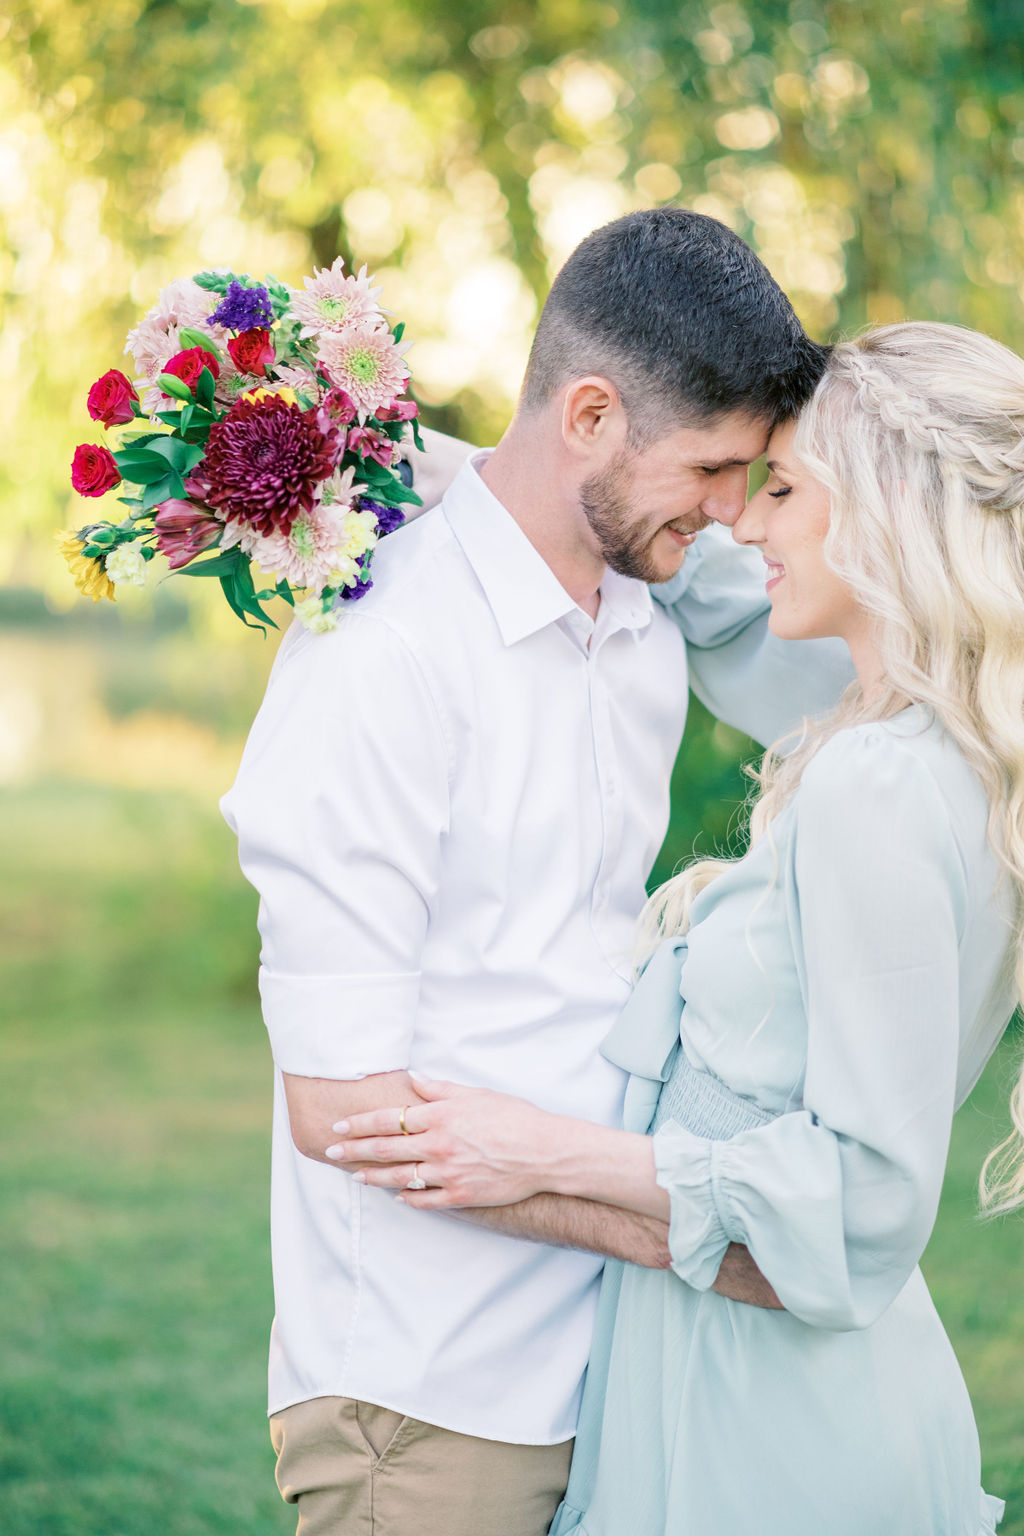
(593, 418)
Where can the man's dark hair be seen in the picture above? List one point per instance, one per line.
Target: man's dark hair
(681, 316)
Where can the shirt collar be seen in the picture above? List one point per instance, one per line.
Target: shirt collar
(523, 591)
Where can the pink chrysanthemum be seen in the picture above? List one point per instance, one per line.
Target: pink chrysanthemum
(322, 545)
(154, 341)
(367, 363)
(333, 301)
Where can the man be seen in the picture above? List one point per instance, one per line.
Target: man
(450, 807)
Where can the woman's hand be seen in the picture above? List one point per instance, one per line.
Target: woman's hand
(469, 1146)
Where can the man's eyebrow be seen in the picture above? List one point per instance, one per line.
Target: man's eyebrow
(726, 463)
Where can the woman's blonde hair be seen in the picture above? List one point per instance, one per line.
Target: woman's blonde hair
(917, 432)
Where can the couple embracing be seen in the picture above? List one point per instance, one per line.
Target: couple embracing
(518, 1128)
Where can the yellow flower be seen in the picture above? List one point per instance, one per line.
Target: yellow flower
(90, 577)
(284, 393)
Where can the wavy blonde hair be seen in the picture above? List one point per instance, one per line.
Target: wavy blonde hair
(917, 432)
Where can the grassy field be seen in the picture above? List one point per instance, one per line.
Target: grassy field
(134, 1115)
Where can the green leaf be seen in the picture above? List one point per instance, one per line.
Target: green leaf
(417, 436)
(204, 389)
(399, 330)
(176, 453)
(217, 565)
(143, 468)
(162, 490)
(214, 282)
(172, 385)
(172, 418)
(239, 591)
(190, 338)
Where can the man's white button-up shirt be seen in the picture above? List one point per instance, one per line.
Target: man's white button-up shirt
(450, 806)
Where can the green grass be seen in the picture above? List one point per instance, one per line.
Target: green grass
(134, 1150)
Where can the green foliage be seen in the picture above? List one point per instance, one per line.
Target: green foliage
(872, 154)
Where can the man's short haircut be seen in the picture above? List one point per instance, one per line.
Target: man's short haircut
(679, 314)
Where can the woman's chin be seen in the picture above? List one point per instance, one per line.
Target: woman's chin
(787, 626)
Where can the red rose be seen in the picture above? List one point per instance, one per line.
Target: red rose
(252, 351)
(187, 366)
(93, 470)
(110, 399)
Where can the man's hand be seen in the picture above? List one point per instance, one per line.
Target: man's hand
(740, 1280)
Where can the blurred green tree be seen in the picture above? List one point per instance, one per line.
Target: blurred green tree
(870, 152)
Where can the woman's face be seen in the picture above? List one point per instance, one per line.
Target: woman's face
(789, 518)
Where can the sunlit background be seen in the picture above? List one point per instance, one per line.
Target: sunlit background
(872, 152)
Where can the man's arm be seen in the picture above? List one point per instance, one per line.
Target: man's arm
(565, 1221)
(343, 844)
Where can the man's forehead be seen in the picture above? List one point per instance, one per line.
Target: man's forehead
(728, 441)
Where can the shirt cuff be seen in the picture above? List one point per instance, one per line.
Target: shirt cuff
(340, 1027)
(697, 1238)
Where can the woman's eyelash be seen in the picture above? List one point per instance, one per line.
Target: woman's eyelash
(784, 491)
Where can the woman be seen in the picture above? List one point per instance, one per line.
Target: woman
(835, 999)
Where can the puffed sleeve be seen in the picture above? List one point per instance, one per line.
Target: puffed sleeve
(340, 807)
(743, 673)
(836, 1201)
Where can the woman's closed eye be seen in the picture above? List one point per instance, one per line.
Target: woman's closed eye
(783, 490)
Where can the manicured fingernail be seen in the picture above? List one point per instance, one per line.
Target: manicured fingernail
(360, 1178)
(342, 1128)
(335, 1152)
(399, 1199)
(417, 1077)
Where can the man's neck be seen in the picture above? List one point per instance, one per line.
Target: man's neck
(521, 474)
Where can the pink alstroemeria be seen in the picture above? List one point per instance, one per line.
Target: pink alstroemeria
(341, 406)
(398, 410)
(370, 445)
(184, 530)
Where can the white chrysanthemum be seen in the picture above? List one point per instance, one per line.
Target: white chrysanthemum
(333, 301)
(367, 363)
(125, 565)
(310, 612)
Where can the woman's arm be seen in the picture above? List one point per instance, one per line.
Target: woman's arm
(473, 1147)
(837, 1200)
(486, 1146)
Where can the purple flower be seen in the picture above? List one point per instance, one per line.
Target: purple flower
(362, 586)
(388, 518)
(243, 309)
(263, 461)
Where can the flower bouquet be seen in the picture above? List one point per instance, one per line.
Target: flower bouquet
(260, 442)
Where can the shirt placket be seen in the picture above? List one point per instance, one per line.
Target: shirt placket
(609, 780)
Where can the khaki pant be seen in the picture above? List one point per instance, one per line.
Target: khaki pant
(357, 1470)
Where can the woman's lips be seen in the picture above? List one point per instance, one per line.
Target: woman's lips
(774, 575)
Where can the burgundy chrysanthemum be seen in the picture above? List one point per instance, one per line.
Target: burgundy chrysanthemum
(264, 459)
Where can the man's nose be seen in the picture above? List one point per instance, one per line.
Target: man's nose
(727, 498)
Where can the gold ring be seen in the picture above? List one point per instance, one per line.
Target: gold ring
(401, 1121)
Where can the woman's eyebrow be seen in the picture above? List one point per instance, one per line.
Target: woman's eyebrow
(775, 465)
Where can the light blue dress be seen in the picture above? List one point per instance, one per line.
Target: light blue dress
(839, 993)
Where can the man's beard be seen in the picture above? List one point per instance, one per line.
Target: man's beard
(625, 544)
